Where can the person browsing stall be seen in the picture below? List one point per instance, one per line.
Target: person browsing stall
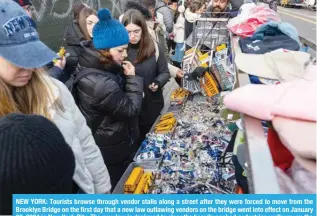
(142, 53)
(78, 31)
(155, 32)
(110, 93)
(25, 88)
(194, 11)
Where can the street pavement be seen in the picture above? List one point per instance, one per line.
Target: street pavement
(302, 18)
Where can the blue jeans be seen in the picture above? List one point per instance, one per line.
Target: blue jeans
(179, 53)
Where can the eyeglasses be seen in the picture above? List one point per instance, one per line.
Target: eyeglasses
(135, 32)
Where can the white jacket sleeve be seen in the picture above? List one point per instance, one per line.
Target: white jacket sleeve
(173, 70)
(92, 155)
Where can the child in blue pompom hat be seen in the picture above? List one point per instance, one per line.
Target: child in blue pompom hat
(110, 94)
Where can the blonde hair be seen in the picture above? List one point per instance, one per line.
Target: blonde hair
(32, 98)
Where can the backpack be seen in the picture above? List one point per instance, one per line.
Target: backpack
(80, 74)
(156, 9)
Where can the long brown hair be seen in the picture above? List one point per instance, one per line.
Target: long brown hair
(82, 22)
(32, 98)
(195, 5)
(147, 47)
(105, 57)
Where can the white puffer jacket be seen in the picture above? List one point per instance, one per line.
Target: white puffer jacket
(179, 26)
(179, 29)
(91, 173)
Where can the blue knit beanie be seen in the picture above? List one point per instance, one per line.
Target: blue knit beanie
(109, 33)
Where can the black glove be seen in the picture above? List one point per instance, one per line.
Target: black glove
(197, 73)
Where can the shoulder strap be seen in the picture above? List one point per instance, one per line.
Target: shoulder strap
(156, 9)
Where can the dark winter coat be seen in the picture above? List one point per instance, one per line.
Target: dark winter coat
(151, 71)
(73, 38)
(110, 106)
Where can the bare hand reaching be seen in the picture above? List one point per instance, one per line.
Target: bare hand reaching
(180, 74)
(129, 69)
(61, 63)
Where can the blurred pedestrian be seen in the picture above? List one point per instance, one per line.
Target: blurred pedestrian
(273, 5)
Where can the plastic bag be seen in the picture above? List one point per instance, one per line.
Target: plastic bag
(250, 18)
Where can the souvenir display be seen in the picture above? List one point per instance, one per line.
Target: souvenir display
(138, 182)
(193, 148)
(152, 148)
(195, 160)
(179, 94)
(166, 124)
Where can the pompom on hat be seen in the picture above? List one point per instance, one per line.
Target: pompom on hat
(109, 33)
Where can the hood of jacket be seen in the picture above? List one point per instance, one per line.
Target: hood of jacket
(73, 35)
(90, 59)
(90, 56)
(190, 16)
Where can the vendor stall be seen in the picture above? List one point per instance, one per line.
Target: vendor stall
(199, 146)
(189, 148)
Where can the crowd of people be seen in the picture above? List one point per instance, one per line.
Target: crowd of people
(75, 127)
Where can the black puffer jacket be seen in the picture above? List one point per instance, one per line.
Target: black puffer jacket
(151, 70)
(73, 38)
(111, 107)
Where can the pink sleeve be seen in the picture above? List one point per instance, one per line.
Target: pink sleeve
(254, 100)
(298, 101)
(292, 100)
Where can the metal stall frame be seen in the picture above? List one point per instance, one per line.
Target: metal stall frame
(220, 27)
(262, 178)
